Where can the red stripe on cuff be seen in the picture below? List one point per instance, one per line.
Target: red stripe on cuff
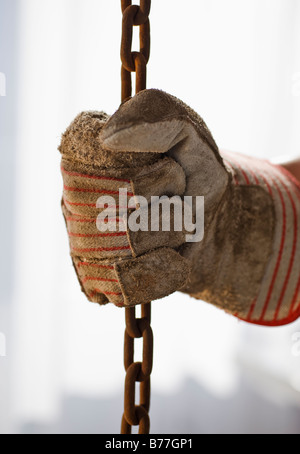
(282, 243)
(94, 177)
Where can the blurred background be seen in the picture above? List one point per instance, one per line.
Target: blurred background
(235, 62)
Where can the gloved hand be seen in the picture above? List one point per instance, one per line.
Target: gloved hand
(247, 263)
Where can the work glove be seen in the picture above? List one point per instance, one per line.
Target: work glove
(228, 229)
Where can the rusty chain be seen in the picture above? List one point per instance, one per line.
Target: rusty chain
(136, 328)
(134, 15)
(137, 372)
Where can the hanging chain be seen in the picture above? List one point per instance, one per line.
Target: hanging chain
(134, 15)
(137, 372)
(136, 328)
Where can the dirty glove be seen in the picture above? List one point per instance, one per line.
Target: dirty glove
(240, 251)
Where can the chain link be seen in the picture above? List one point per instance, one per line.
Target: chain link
(134, 15)
(137, 372)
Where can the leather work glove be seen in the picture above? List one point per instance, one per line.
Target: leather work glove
(248, 260)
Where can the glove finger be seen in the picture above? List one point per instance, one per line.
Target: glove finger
(128, 282)
(152, 276)
(82, 190)
(99, 281)
(152, 121)
(81, 144)
(163, 226)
